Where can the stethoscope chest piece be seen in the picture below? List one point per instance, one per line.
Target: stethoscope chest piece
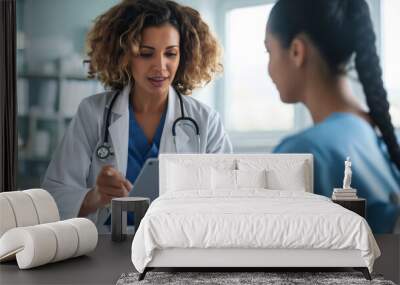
(104, 151)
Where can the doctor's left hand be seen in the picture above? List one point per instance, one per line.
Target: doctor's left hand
(109, 184)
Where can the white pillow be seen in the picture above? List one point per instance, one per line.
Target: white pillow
(291, 178)
(223, 179)
(252, 178)
(183, 177)
(228, 179)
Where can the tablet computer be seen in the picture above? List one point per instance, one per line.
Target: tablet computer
(146, 184)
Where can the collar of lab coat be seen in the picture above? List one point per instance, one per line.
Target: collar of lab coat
(119, 127)
(173, 112)
(121, 105)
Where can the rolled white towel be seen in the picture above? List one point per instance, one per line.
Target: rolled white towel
(26, 208)
(23, 208)
(66, 238)
(87, 235)
(7, 217)
(46, 207)
(40, 244)
(33, 246)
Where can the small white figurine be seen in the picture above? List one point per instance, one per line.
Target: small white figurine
(347, 174)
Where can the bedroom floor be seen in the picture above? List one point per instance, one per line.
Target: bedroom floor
(389, 262)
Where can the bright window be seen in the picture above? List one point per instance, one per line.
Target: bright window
(252, 103)
(391, 54)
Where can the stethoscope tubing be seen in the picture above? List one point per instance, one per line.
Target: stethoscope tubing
(104, 150)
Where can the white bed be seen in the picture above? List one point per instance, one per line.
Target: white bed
(247, 211)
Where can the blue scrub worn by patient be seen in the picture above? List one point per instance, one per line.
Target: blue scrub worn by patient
(139, 150)
(374, 176)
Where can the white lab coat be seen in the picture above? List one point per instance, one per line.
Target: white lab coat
(74, 167)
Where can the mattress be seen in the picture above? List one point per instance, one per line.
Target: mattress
(250, 219)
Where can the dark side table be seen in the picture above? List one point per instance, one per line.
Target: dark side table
(119, 209)
(358, 206)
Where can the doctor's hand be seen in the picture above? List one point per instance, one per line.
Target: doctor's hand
(109, 184)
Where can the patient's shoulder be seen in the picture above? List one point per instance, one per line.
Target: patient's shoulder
(338, 131)
(301, 142)
(317, 138)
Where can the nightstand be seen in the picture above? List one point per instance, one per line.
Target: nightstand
(119, 209)
(358, 206)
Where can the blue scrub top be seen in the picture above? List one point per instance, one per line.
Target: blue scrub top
(139, 150)
(374, 176)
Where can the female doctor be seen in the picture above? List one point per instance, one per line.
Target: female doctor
(150, 54)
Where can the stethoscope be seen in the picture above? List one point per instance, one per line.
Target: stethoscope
(105, 150)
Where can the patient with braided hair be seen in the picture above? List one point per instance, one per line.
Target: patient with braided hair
(312, 45)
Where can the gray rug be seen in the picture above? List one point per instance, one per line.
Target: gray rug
(229, 278)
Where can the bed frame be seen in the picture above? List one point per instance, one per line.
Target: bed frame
(256, 259)
(246, 259)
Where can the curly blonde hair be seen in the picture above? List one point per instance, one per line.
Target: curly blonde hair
(116, 36)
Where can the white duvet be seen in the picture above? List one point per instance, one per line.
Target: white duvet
(250, 219)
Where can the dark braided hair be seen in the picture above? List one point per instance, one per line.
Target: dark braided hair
(339, 29)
